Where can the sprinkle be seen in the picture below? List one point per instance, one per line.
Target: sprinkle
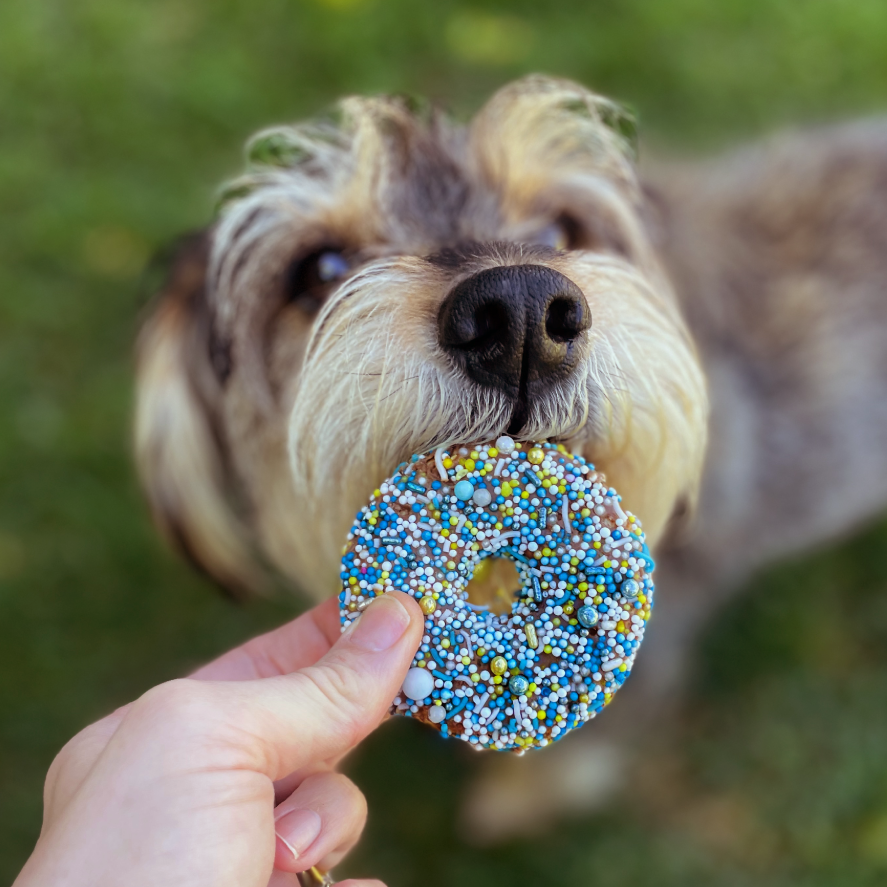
(438, 461)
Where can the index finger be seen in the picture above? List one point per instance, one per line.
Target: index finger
(282, 651)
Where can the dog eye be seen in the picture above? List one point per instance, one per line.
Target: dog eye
(562, 234)
(331, 266)
(310, 277)
(553, 235)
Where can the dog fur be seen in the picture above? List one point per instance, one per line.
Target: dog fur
(267, 413)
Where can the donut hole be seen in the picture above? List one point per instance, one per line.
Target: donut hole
(494, 585)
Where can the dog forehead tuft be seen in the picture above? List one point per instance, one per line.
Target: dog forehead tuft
(429, 189)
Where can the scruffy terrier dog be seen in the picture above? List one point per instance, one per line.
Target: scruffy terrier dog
(299, 353)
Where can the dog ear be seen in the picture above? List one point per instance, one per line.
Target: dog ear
(179, 445)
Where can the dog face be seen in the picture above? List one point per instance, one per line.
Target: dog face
(387, 283)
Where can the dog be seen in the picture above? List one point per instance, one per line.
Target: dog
(730, 383)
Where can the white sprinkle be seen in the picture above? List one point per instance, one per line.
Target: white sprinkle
(498, 469)
(438, 461)
(565, 512)
(611, 665)
(618, 508)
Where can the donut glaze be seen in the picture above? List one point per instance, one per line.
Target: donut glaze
(523, 679)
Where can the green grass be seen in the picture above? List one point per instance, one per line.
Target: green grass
(117, 119)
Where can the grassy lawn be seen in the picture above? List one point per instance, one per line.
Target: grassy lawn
(117, 119)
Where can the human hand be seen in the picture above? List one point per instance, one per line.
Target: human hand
(226, 778)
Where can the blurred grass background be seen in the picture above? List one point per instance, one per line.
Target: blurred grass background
(117, 119)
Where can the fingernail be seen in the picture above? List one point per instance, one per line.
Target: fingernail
(297, 830)
(381, 625)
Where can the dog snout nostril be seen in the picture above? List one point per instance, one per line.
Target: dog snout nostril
(514, 328)
(566, 318)
(480, 329)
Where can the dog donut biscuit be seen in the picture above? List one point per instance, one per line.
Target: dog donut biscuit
(525, 678)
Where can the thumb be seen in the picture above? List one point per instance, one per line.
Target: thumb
(325, 709)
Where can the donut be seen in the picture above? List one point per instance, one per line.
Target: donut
(523, 678)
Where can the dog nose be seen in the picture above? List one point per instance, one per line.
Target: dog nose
(514, 328)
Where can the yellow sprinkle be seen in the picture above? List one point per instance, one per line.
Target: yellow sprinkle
(620, 626)
(494, 452)
(447, 462)
(568, 607)
(470, 464)
(585, 512)
(428, 605)
(595, 545)
(530, 632)
(499, 665)
(475, 677)
(546, 648)
(445, 643)
(497, 679)
(377, 493)
(505, 490)
(535, 455)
